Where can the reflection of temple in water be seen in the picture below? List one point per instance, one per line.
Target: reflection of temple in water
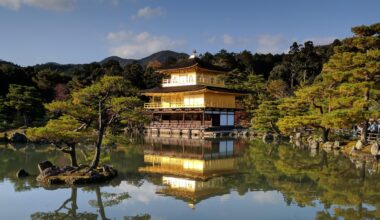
(192, 169)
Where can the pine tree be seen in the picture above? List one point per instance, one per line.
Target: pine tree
(266, 116)
(107, 103)
(25, 100)
(348, 91)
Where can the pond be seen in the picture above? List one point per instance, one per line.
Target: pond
(167, 178)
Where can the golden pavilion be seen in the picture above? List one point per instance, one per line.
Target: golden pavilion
(192, 99)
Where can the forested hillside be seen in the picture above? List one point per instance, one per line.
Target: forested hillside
(281, 87)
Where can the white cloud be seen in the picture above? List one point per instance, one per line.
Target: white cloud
(119, 36)
(148, 12)
(11, 4)
(57, 5)
(271, 197)
(145, 193)
(272, 44)
(114, 2)
(212, 40)
(136, 45)
(321, 40)
(228, 39)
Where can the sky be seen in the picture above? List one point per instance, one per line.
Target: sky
(83, 31)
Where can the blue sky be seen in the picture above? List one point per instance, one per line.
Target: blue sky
(82, 31)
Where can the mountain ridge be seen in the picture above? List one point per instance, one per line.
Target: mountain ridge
(160, 56)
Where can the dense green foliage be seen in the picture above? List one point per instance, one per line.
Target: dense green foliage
(346, 93)
(317, 87)
(92, 111)
(24, 89)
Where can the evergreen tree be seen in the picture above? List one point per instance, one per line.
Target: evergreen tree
(134, 72)
(110, 102)
(25, 100)
(266, 117)
(63, 133)
(348, 91)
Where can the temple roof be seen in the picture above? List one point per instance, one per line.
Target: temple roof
(193, 62)
(191, 88)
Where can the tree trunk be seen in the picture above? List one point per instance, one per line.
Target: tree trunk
(362, 171)
(304, 77)
(291, 80)
(100, 203)
(73, 156)
(325, 134)
(25, 120)
(74, 206)
(95, 160)
(275, 129)
(324, 160)
(364, 134)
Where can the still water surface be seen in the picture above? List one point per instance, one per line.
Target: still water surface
(194, 179)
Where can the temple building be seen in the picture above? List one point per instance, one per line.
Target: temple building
(192, 100)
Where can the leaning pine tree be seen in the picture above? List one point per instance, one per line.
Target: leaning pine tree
(111, 102)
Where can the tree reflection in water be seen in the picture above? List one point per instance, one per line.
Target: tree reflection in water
(344, 188)
(69, 208)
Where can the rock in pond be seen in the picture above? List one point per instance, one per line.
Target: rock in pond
(18, 138)
(375, 149)
(22, 174)
(297, 136)
(268, 137)
(44, 165)
(359, 145)
(314, 144)
(336, 145)
(328, 145)
(56, 175)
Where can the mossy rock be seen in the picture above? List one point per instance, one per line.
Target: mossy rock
(76, 176)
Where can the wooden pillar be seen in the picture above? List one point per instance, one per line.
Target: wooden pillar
(152, 122)
(203, 118)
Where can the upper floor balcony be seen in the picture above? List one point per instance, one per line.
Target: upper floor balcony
(211, 104)
(193, 80)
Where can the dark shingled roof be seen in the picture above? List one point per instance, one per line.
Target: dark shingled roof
(189, 89)
(191, 62)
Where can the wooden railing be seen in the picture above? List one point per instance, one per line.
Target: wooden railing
(169, 82)
(219, 104)
(172, 105)
(201, 81)
(180, 124)
(208, 81)
(373, 136)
